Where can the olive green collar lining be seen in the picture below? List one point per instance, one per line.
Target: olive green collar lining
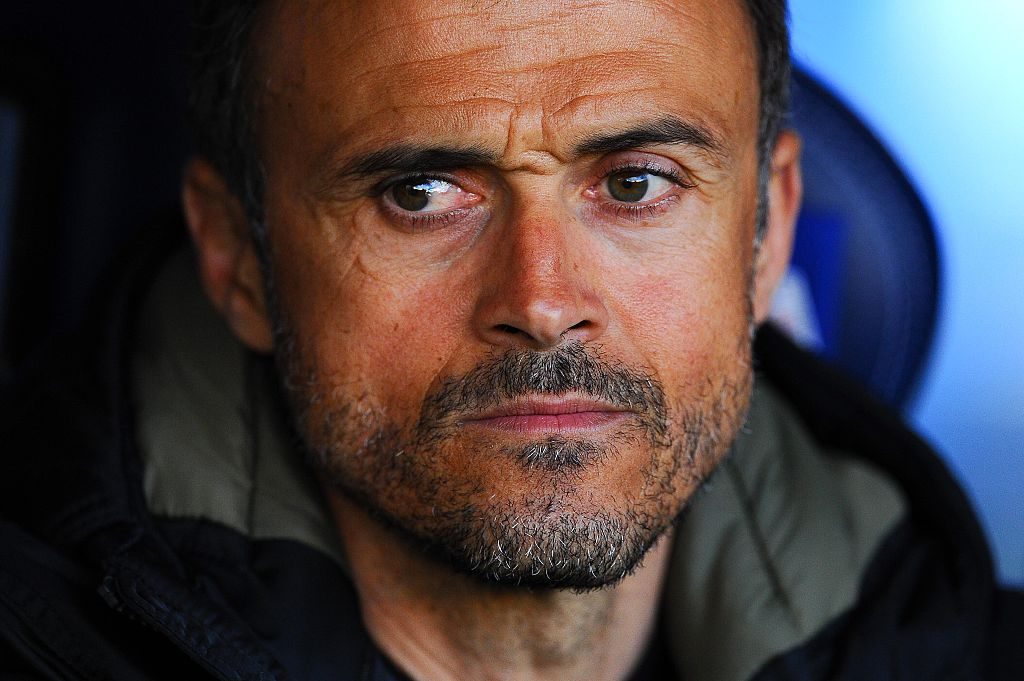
(775, 549)
(211, 432)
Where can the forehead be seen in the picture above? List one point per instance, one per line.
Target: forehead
(451, 70)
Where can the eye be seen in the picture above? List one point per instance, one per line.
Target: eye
(427, 195)
(634, 185)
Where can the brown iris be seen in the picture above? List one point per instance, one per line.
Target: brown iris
(629, 186)
(415, 195)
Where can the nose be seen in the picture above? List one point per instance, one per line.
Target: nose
(538, 286)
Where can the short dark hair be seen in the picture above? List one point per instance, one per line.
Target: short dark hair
(222, 94)
(773, 66)
(222, 105)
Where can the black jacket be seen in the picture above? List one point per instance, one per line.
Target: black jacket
(94, 586)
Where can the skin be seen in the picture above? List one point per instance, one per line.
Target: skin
(526, 251)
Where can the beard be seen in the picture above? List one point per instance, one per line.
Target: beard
(419, 480)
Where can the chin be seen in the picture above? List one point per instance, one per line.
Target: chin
(552, 514)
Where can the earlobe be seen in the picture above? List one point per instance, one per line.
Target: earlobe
(228, 263)
(785, 192)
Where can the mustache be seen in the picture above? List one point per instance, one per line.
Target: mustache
(570, 368)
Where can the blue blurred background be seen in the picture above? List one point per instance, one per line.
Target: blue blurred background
(942, 83)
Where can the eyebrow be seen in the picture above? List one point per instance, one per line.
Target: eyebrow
(411, 158)
(665, 130)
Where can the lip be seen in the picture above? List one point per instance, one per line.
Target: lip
(560, 414)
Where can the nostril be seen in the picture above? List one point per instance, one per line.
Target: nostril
(579, 325)
(507, 328)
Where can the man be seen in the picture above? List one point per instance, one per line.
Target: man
(508, 259)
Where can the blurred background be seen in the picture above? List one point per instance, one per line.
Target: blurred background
(92, 138)
(941, 82)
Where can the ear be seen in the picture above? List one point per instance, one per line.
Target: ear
(785, 191)
(228, 263)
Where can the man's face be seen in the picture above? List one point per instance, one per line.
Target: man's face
(512, 247)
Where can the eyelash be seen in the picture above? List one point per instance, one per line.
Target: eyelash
(432, 220)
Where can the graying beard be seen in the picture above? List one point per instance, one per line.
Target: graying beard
(556, 454)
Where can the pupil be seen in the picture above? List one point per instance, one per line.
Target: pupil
(413, 196)
(630, 187)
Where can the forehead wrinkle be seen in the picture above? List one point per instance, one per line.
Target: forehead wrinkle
(507, 79)
(455, 120)
(444, 60)
(374, 24)
(570, 109)
(371, 34)
(606, 61)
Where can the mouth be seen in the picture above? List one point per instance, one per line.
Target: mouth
(559, 414)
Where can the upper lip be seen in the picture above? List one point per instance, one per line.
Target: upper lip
(540, 405)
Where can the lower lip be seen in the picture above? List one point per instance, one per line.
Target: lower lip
(551, 423)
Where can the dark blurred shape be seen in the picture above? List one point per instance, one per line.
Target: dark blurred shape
(866, 245)
(92, 139)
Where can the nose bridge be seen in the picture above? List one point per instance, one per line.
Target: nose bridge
(539, 290)
(539, 249)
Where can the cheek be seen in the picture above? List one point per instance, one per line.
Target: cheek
(687, 313)
(373, 322)
(381, 339)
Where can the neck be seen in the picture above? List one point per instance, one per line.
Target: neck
(438, 625)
